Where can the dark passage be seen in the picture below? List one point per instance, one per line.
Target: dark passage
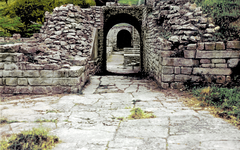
(124, 39)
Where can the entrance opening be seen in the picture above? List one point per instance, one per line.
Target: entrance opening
(123, 50)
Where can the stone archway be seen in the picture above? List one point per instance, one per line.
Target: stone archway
(124, 39)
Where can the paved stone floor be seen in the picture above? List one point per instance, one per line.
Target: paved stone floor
(89, 121)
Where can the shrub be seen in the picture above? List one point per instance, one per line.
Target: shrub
(37, 138)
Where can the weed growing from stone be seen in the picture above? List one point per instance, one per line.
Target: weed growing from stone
(46, 120)
(225, 100)
(138, 113)
(35, 139)
(5, 121)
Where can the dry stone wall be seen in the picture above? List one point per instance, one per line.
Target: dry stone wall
(179, 47)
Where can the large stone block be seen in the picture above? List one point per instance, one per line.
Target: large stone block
(12, 73)
(9, 90)
(62, 73)
(10, 66)
(217, 54)
(182, 78)
(40, 90)
(189, 53)
(191, 46)
(220, 46)
(167, 78)
(47, 73)
(209, 45)
(233, 44)
(31, 73)
(218, 61)
(167, 70)
(186, 70)
(65, 81)
(76, 71)
(24, 89)
(179, 62)
(11, 57)
(1, 66)
(233, 62)
(212, 71)
(11, 81)
(40, 81)
(22, 81)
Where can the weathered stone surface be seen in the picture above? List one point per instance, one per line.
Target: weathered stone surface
(10, 66)
(31, 73)
(200, 46)
(233, 62)
(220, 46)
(218, 61)
(179, 62)
(22, 81)
(167, 70)
(218, 54)
(221, 65)
(12, 73)
(40, 81)
(192, 46)
(213, 71)
(167, 78)
(205, 61)
(208, 65)
(181, 77)
(209, 45)
(186, 70)
(47, 73)
(65, 81)
(177, 70)
(233, 44)
(11, 81)
(189, 53)
(1, 66)
(221, 79)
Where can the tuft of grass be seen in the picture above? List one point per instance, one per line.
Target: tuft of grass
(46, 120)
(138, 113)
(5, 121)
(226, 101)
(35, 139)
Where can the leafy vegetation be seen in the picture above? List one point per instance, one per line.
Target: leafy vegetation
(37, 138)
(128, 2)
(138, 113)
(5, 121)
(225, 100)
(46, 120)
(226, 14)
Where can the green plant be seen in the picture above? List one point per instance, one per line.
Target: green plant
(4, 120)
(37, 138)
(46, 120)
(138, 113)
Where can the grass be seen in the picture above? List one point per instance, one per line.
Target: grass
(138, 113)
(5, 121)
(35, 139)
(225, 101)
(46, 120)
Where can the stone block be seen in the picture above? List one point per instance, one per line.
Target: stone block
(208, 65)
(11, 57)
(1, 73)
(164, 85)
(221, 79)
(12, 73)
(176, 85)
(1, 81)
(233, 44)
(167, 78)
(221, 65)
(62, 73)
(205, 61)
(179, 62)
(177, 70)
(217, 54)
(182, 78)
(65, 81)
(76, 71)
(209, 45)
(40, 81)
(31, 73)
(189, 53)
(10, 66)
(9, 90)
(218, 61)
(40, 90)
(24, 89)
(228, 79)
(47, 73)
(166, 53)
(186, 70)
(191, 46)
(33, 67)
(233, 62)
(22, 81)
(1, 66)
(212, 71)
(200, 46)
(220, 46)
(167, 70)
(11, 81)
(51, 66)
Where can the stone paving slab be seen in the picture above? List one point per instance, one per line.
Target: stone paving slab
(90, 121)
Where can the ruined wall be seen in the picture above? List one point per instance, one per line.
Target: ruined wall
(180, 47)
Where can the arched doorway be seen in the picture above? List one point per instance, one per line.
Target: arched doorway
(116, 19)
(124, 39)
